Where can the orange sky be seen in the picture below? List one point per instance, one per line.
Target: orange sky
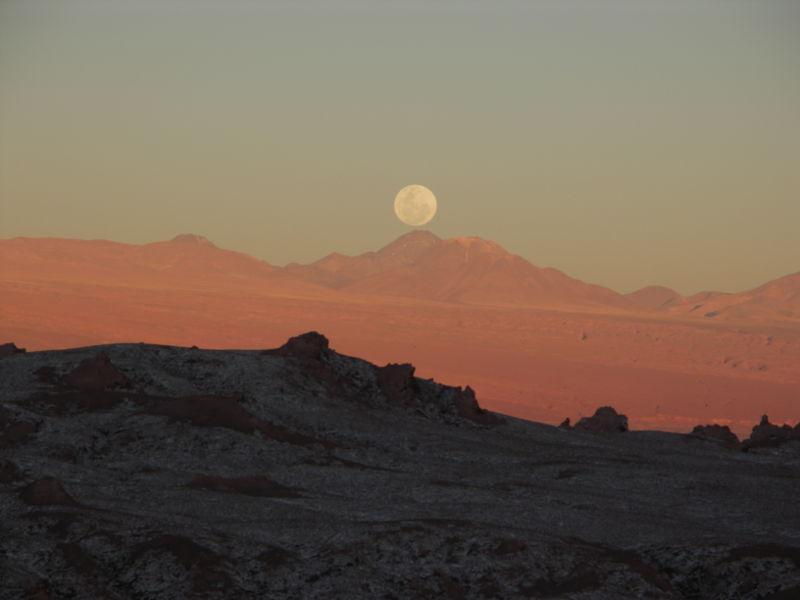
(626, 143)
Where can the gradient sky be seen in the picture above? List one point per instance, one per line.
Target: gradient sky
(626, 143)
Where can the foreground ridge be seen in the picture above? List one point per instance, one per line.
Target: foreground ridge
(136, 470)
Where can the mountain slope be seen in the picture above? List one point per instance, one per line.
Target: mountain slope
(467, 270)
(337, 270)
(776, 300)
(187, 262)
(654, 296)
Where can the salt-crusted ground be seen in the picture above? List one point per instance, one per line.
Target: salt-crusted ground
(141, 471)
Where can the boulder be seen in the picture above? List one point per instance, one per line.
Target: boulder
(604, 420)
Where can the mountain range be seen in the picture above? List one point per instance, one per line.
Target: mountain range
(419, 265)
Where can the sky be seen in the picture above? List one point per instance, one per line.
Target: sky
(626, 143)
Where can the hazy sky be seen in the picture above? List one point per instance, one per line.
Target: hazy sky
(626, 143)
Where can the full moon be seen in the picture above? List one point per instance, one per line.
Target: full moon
(415, 205)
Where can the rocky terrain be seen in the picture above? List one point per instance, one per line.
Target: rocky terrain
(144, 471)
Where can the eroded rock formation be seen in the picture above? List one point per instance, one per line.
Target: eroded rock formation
(766, 434)
(10, 349)
(720, 434)
(605, 420)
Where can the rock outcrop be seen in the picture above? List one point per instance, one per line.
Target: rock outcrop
(467, 407)
(720, 434)
(10, 349)
(605, 420)
(766, 434)
(397, 383)
(311, 345)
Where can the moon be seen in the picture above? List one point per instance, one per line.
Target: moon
(415, 205)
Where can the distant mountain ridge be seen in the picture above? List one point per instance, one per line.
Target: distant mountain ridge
(187, 261)
(417, 265)
(778, 299)
(184, 257)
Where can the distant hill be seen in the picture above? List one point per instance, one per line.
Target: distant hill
(776, 300)
(654, 296)
(187, 261)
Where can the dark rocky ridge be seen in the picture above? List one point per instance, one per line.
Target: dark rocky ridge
(141, 471)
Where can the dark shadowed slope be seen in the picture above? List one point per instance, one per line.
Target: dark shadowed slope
(141, 471)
